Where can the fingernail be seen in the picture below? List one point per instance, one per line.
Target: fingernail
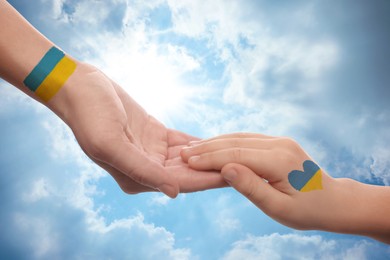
(168, 190)
(194, 158)
(229, 175)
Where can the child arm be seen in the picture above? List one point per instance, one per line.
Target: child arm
(271, 172)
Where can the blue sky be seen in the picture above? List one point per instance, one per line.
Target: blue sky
(313, 70)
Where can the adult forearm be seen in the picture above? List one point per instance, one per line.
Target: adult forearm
(21, 47)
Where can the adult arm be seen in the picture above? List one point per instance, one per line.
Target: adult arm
(112, 129)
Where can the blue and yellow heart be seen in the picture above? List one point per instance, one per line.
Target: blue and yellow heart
(307, 180)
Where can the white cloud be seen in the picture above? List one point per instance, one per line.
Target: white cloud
(160, 200)
(83, 12)
(227, 224)
(45, 241)
(286, 69)
(296, 246)
(39, 190)
(225, 219)
(91, 14)
(56, 7)
(126, 238)
(259, 65)
(381, 164)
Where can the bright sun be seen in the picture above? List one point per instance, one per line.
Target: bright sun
(150, 77)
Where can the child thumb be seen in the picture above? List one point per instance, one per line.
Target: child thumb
(245, 181)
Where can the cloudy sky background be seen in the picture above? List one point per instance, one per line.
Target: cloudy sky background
(317, 71)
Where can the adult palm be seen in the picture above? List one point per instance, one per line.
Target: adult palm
(136, 149)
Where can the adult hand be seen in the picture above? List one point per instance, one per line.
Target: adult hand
(114, 131)
(269, 170)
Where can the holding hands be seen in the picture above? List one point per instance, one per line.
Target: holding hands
(276, 174)
(279, 177)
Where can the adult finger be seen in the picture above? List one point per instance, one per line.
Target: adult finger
(127, 184)
(190, 180)
(176, 138)
(126, 158)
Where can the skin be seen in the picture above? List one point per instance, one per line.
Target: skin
(258, 166)
(112, 129)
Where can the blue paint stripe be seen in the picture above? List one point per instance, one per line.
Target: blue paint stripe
(43, 68)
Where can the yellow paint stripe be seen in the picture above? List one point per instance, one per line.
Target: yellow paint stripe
(56, 79)
(315, 183)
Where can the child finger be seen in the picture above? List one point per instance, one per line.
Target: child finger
(260, 161)
(233, 135)
(220, 144)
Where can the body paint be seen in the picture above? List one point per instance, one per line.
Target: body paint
(307, 180)
(50, 74)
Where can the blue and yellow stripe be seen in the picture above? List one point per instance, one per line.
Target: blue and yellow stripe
(50, 74)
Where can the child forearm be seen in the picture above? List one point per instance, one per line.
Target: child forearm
(367, 209)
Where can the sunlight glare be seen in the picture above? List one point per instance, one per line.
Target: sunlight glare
(151, 77)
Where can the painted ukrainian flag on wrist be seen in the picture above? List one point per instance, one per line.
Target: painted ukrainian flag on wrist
(50, 74)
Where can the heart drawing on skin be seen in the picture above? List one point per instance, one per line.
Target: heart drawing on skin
(307, 180)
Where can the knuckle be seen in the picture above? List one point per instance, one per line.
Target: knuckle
(290, 144)
(286, 159)
(289, 152)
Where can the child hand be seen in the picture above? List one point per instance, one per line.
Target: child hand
(278, 176)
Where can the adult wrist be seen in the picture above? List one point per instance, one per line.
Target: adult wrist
(63, 102)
